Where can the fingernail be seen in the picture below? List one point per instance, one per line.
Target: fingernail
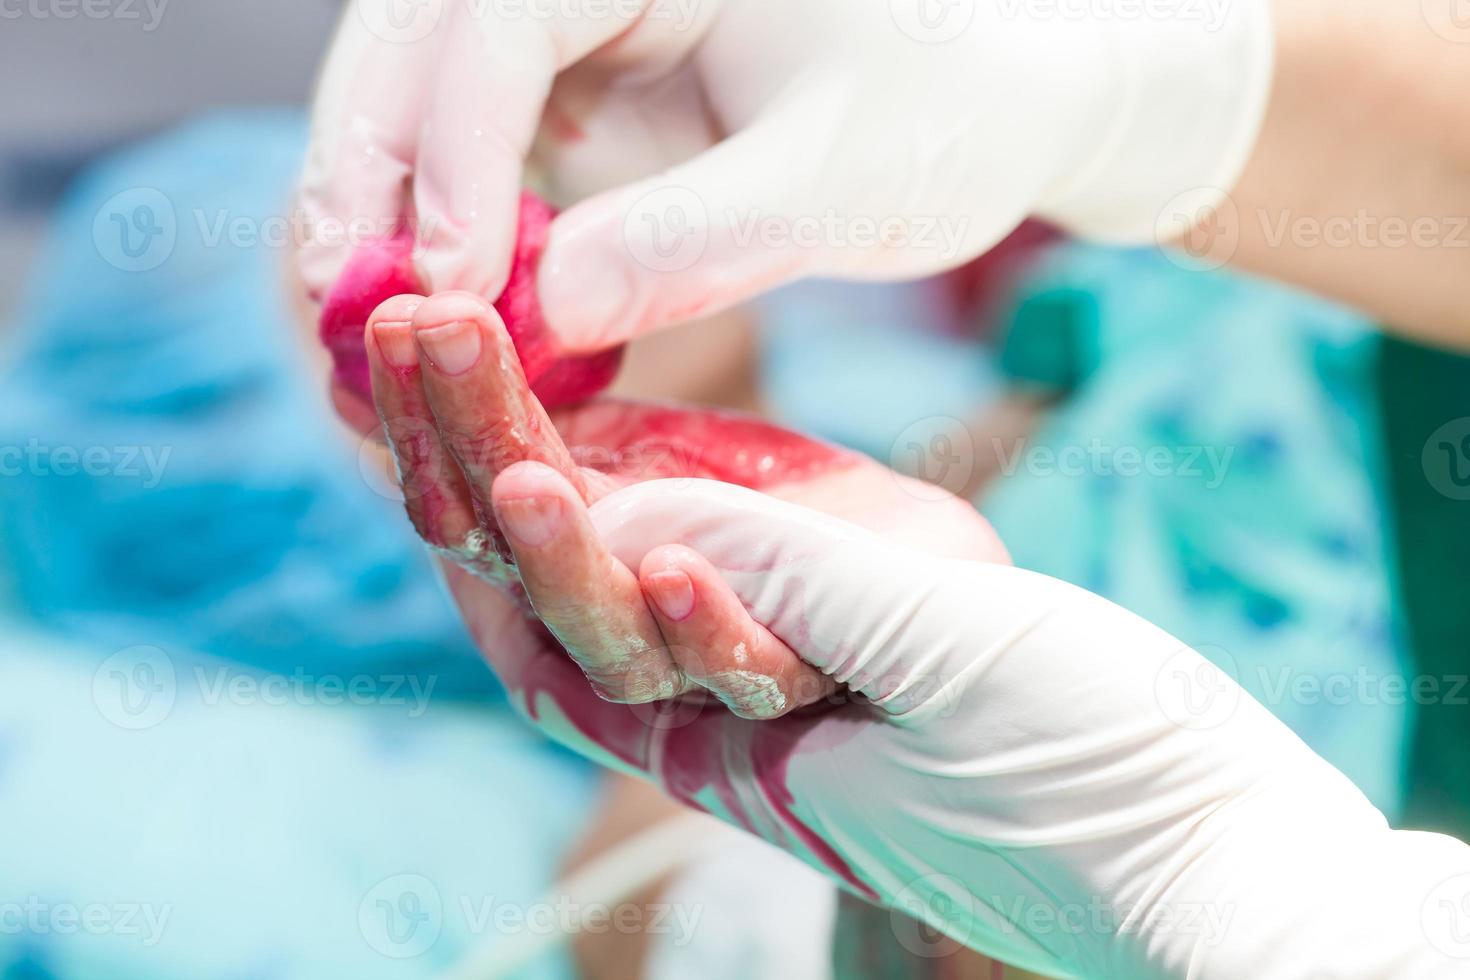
(587, 294)
(395, 343)
(673, 593)
(532, 521)
(453, 348)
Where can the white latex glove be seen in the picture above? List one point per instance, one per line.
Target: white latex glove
(740, 145)
(1040, 774)
(761, 914)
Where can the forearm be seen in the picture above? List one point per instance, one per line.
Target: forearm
(1359, 185)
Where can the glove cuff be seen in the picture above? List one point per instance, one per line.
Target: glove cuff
(1195, 76)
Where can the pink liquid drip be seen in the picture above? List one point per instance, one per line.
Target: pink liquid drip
(685, 746)
(688, 757)
(690, 747)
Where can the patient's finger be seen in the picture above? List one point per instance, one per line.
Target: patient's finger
(718, 644)
(487, 417)
(434, 491)
(587, 598)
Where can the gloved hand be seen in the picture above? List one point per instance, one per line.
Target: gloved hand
(729, 147)
(1031, 769)
(457, 411)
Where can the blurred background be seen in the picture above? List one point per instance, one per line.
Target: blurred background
(79, 85)
(242, 733)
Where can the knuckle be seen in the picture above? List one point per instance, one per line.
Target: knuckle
(640, 684)
(483, 445)
(751, 695)
(415, 449)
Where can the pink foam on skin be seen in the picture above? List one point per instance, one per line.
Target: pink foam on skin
(384, 269)
(690, 755)
(735, 449)
(637, 442)
(692, 758)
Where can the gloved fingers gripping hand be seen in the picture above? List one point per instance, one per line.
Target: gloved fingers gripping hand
(457, 412)
(825, 167)
(587, 598)
(477, 454)
(729, 148)
(808, 782)
(866, 140)
(565, 567)
(1028, 746)
(427, 120)
(719, 644)
(362, 147)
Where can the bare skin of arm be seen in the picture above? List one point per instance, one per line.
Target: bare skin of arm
(1359, 186)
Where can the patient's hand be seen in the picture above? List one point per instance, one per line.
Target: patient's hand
(476, 442)
(459, 418)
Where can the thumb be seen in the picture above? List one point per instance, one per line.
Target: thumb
(694, 240)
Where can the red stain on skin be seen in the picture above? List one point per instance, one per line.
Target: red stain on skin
(696, 750)
(634, 442)
(385, 269)
(549, 672)
(701, 753)
(688, 748)
(736, 449)
(427, 504)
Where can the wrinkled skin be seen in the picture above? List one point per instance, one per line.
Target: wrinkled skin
(456, 438)
(575, 635)
(385, 268)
